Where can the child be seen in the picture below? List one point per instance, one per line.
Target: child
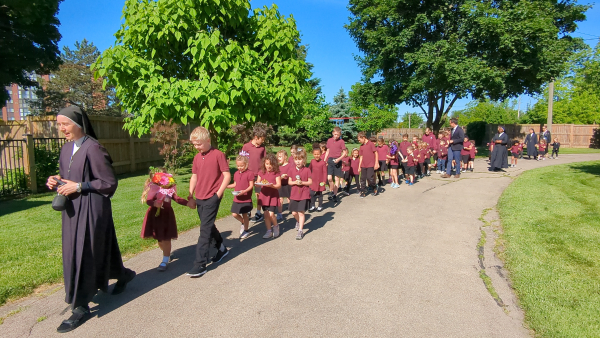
(514, 150)
(369, 161)
(270, 178)
(345, 172)
(555, 147)
(243, 184)
(210, 177)
(256, 151)
(323, 147)
(300, 180)
(411, 162)
(541, 149)
(335, 153)
(439, 144)
(159, 222)
(415, 143)
(354, 171)
(393, 158)
(465, 154)
(521, 150)
(422, 153)
(472, 154)
(403, 146)
(382, 152)
(284, 192)
(442, 155)
(293, 150)
(318, 170)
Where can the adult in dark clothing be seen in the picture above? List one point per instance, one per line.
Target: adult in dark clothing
(91, 255)
(530, 141)
(499, 158)
(546, 135)
(455, 145)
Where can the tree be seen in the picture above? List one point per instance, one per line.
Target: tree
(211, 61)
(576, 93)
(341, 108)
(502, 112)
(29, 37)
(372, 117)
(315, 126)
(74, 84)
(415, 121)
(430, 54)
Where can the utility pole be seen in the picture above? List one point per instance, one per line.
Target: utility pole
(409, 120)
(550, 105)
(519, 108)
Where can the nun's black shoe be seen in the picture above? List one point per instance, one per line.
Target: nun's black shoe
(121, 284)
(79, 316)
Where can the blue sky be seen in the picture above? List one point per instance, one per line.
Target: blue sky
(321, 23)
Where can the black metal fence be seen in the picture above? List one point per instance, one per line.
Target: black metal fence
(13, 177)
(14, 170)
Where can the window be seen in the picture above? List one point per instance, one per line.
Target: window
(20, 94)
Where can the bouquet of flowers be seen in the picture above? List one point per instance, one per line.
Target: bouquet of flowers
(167, 183)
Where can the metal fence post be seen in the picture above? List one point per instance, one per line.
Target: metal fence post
(29, 156)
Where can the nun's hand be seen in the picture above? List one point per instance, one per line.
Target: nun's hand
(51, 183)
(68, 188)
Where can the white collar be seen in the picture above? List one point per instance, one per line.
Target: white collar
(78, 144)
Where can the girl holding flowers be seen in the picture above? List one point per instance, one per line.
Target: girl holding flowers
(159, 222)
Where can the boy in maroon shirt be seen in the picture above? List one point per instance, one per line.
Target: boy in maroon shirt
(411, 163)
(472, 154)
(318, 170)
(334, 155)
(514, 150)
(382, 151)
(465, 154)
(403, 147)
(300, 180)
(369, 162)
(354, 171)
(256, 151)
(345, 172)
(210, 177)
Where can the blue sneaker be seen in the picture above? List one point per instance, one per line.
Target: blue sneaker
(410, 183)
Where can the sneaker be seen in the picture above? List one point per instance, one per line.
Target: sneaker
(299, 235)
(242, 230)
(335, 199)
(311, 209)
(363, 195)
(331, 197)
(244, 235)
(220, 255)
(410, 183)
(376, 192)
(279, 217)
(319, 209)
(297, 226)
(162, 267)
(196, 272)
(276, 231)
(268, 234)
(258, 218)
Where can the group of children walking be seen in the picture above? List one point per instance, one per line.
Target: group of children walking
(516, 151)
(275, 178)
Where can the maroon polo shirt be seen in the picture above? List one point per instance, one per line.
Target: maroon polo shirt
(403, 147)
(514, 149)
(367, 151)
(465, 151)
(256, 156)
(430, 139)
(383, 151)
(354, 166)
(335, 147)
(346, 163)
(411, 160)
(242, 181)
(209, 168)
(300, 193)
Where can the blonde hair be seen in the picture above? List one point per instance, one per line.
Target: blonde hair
(337, 129)
(353, 150)
(242, 158)
(300, 154)
(284, 153)
(200, 134)
(149, 182)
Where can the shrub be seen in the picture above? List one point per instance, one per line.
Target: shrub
(308, 147)
(176, 151)
(46, 161)
(13, 181)
(476, 131)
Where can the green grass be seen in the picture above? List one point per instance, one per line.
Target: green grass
(551, 220)
(31, 234)
(484, 151)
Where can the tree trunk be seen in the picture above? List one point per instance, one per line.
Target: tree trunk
(214, 136)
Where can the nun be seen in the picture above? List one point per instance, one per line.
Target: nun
(530, 141)
(499, 158)
(90, 252)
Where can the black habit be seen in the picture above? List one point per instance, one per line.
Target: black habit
(91, 255)
(499, 154)
(530, 141)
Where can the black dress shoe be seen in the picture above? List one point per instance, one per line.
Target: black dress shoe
(121, 284)
(79, 316)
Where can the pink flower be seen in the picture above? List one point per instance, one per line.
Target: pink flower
(164, 180)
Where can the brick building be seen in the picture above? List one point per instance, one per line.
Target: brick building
(19, 104)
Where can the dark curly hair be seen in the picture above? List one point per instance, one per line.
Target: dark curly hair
(273, 160)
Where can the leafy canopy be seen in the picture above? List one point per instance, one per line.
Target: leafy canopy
(429, 54)
(74, 84)
(211, 61)
(29, 41)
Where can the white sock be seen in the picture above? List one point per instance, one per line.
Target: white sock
(165, 259)
(222, 248)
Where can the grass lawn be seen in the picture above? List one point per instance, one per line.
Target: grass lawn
(551, 220)
(484, 151)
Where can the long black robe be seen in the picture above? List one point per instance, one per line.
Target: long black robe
(91, 255)
(530, 141)
(499, 154)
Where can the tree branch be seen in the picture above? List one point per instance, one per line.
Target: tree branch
(420, 106)
(451, 104)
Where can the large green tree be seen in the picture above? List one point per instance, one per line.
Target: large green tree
(576, 92)
(431, 53)
(411, 120)
(211, 61)
(74, 84)
(28, 41)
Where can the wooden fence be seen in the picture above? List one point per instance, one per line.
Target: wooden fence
(569, 135)
(397, 133)
(129, 153)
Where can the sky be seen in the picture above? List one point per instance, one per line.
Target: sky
(321, 24)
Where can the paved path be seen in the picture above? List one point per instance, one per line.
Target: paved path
(403, 264)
